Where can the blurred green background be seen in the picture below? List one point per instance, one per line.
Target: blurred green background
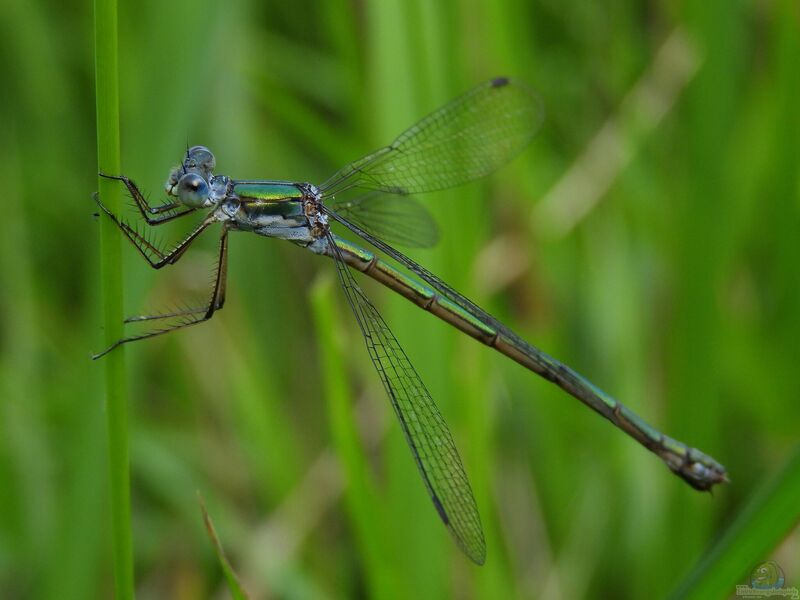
(648, 238)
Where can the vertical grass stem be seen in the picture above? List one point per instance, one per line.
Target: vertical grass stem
(107, 93)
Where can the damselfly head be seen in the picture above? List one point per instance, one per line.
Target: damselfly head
(199, 160)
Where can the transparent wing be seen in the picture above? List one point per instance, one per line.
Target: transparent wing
(464, 140)
(393, 217)
(423, 425)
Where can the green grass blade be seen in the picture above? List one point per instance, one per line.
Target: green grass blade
(107, 91)
(234, 585)
(773, 511)
(361, 495)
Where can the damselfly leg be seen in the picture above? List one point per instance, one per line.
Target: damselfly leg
(191, 316)
(158, 258)
(154, 255)
(166, 212)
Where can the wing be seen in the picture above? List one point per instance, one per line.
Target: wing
(393, 217)
(464, 140)
(423, 425)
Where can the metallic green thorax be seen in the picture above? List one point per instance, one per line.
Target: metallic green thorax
(267, 199)
(267, 190)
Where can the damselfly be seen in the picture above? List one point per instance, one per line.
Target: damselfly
(464, 140)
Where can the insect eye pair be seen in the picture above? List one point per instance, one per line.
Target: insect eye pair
(193, 190)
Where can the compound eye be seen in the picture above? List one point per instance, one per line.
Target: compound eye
(193, 190)
(200, 158)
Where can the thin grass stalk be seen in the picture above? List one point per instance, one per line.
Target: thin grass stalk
(107, 91)
(231, 578)
(360, 490)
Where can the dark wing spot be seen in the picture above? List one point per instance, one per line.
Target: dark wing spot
(500, 81)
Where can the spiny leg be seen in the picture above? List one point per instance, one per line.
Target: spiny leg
(220, 289)
(146, 248)
(215, 303)
(168, 315)
(162, 211)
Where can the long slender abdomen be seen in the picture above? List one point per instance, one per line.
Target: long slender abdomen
(699, 470)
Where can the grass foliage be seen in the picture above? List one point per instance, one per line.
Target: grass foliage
(649, 238)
